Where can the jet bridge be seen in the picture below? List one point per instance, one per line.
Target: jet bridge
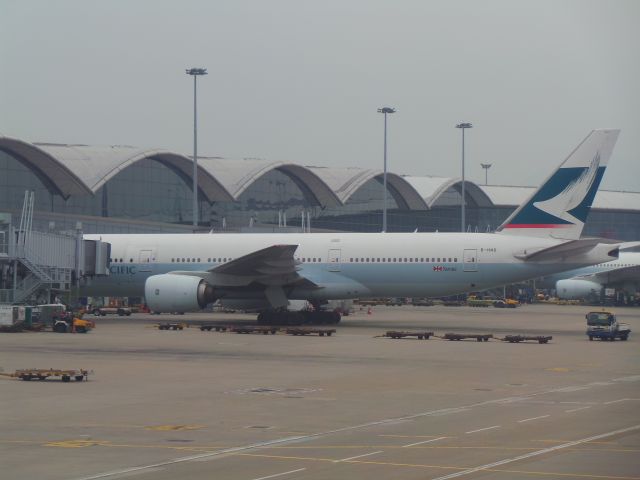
(34, 265)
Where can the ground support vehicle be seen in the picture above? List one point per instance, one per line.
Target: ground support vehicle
(29, 374)
(67, 323)
(507, 303)
(102, 311)
(524, 338)
(308, 331)
(605, 326)
(171, 326)
(255, 329)
(463, 336)
(399, 334)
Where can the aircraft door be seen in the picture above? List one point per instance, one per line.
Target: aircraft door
(146, 259)
(334, 259)
(470, 260)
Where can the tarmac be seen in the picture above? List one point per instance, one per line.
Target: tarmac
(219, 405)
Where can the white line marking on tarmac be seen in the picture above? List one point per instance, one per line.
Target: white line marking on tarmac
(280, 474)
(424, 441)
(616, 401)
(538, 453)
(483, 429)
(350, 428)
(357, 456)
(576, 409)
(534, 418)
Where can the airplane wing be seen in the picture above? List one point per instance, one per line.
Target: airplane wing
(271, 266)
(618, 275)
(563, 250)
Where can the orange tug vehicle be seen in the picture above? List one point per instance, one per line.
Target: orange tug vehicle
(66, 322)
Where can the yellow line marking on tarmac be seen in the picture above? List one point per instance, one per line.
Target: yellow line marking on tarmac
(410, 436)
(563, 441)
(557, 369)
(318, 459)
(73, 444)
(561, 474)
(442, 467)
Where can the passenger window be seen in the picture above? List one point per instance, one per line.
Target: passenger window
(455, 259)
(449, 259)
(438, 260)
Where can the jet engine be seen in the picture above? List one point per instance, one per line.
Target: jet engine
(577, 289)
(177, 293)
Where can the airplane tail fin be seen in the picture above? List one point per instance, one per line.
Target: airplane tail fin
(559, 208)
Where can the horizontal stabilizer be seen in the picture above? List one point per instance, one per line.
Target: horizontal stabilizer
(630, 247)
(565, 250)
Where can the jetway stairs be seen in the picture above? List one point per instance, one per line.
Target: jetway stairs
(33, 265)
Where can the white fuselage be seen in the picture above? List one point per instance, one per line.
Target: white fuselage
(341, 265)
(625, 260)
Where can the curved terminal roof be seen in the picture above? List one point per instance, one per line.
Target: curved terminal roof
(346, 181)
(82, 170)
(238, 175)
(432, 188)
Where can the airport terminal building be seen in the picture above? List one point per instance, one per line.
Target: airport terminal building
(123, 189)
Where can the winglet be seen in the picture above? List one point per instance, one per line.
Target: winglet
(559, 208)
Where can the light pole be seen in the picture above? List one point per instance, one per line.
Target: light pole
(463, 127)
(195, 72)
(486, 167)
(385, 111)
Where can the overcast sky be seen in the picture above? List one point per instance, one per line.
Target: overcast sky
(300, 81)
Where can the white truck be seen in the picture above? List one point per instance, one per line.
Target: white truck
(605, 326)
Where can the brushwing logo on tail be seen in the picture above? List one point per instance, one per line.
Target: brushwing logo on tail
(572, 196)
(563, 201)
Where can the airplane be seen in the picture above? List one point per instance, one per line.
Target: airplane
(622, 273)
(186, 272)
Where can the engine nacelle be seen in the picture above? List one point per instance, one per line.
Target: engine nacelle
(577, 289)
(177, 293)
